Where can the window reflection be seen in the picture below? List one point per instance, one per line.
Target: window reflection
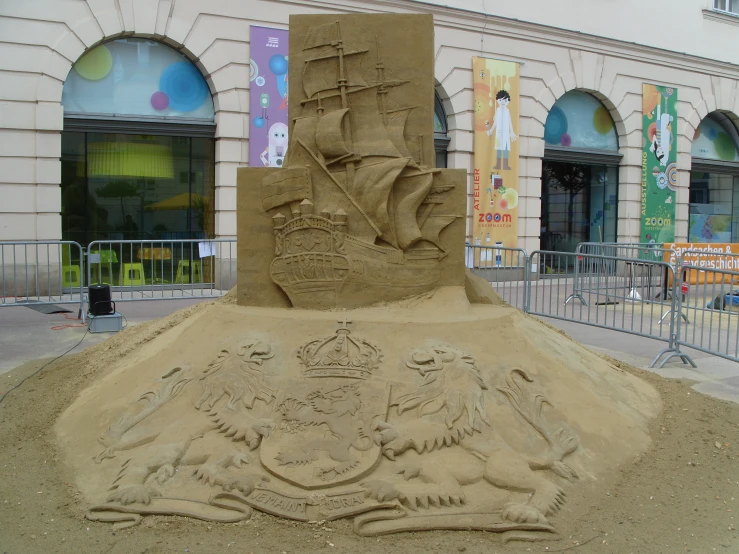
(579, 204)
(714, 207)
(136, 187)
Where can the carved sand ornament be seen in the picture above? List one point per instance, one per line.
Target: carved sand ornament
(359, 213)
(446, 431)
(223, 429)
(328, 440)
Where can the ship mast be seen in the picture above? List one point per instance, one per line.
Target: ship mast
(342, 82)
(382, 89)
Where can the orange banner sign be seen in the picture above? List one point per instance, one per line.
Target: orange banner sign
(715, 255)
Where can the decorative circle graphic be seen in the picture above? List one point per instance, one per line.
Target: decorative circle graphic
(259, 81)
(650, 99)
(278, 64)
(712, 134)
(258, 122)
(725, 147)
(96, 64)
(566, 140)
(556, 126)
(652, 130)
(184, 85)
(253, 70)
(602, 120)
(159, 100)
(697, 132)
(662, 181)
(671, 172)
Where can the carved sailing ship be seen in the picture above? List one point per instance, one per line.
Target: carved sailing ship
(360, 204)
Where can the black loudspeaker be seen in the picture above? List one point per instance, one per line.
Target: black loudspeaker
(100, 302)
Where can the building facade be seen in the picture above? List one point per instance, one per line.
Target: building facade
(79, 163)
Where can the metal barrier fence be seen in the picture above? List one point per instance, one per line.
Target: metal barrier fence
(640, 308)
(41, 273)
(710, 303)
(616, 266)
(631, 294)
(504, 268)
(682, 298)
(163, 269)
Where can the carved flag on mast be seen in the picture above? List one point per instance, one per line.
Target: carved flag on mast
(322, 35)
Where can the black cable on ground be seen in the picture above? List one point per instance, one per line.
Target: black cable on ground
(42, 367)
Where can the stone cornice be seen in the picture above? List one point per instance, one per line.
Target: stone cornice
(517, 29)
(721, 17)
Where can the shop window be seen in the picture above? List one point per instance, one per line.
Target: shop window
(119, 186)
(441, 138)
(714, 181)
(138, 148)
(579, 174)
(729, 6)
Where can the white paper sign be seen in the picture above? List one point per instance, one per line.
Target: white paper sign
(207, 249)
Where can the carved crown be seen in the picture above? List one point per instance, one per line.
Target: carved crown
(340, 355)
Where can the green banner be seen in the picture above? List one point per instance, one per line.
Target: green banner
(659, 164)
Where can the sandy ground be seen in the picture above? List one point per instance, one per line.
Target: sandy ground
(680, 496)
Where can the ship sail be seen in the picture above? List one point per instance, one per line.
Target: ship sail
(286, 186)
(330, 136)
(370, 136)
(434, 226)
(371, 189)
(321, 73)
(410, 191)
(395, 128)
(304, 130)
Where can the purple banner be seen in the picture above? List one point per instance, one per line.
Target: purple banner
(268, 97)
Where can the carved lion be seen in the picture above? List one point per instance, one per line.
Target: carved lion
(446, 434)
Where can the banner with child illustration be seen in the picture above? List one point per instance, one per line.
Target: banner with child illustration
(268, 96)
(495, 175)
(659, 164)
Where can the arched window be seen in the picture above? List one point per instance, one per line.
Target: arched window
(714, 181)
(441, 139)
(138, 149)
(579, 174)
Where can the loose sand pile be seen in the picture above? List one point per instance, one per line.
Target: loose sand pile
(656, 463)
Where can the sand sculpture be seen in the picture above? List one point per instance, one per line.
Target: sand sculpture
(358, 213)
(444, 410)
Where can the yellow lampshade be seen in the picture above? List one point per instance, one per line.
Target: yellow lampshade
(129, 159)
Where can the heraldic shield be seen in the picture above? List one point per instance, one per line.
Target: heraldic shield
(324, 422)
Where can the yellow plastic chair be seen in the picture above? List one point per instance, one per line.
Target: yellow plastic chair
(101, 274)
(183, 273)
(71, 277)
(132, 274)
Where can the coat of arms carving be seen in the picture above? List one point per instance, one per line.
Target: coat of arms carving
(338, 431)
(324, 421)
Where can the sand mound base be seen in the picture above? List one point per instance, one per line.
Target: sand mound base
(426, 414)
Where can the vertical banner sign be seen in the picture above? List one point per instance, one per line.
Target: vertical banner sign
(659, 164)
(267, 97)
(495, 176)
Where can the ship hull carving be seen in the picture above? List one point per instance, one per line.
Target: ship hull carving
(318, 265)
